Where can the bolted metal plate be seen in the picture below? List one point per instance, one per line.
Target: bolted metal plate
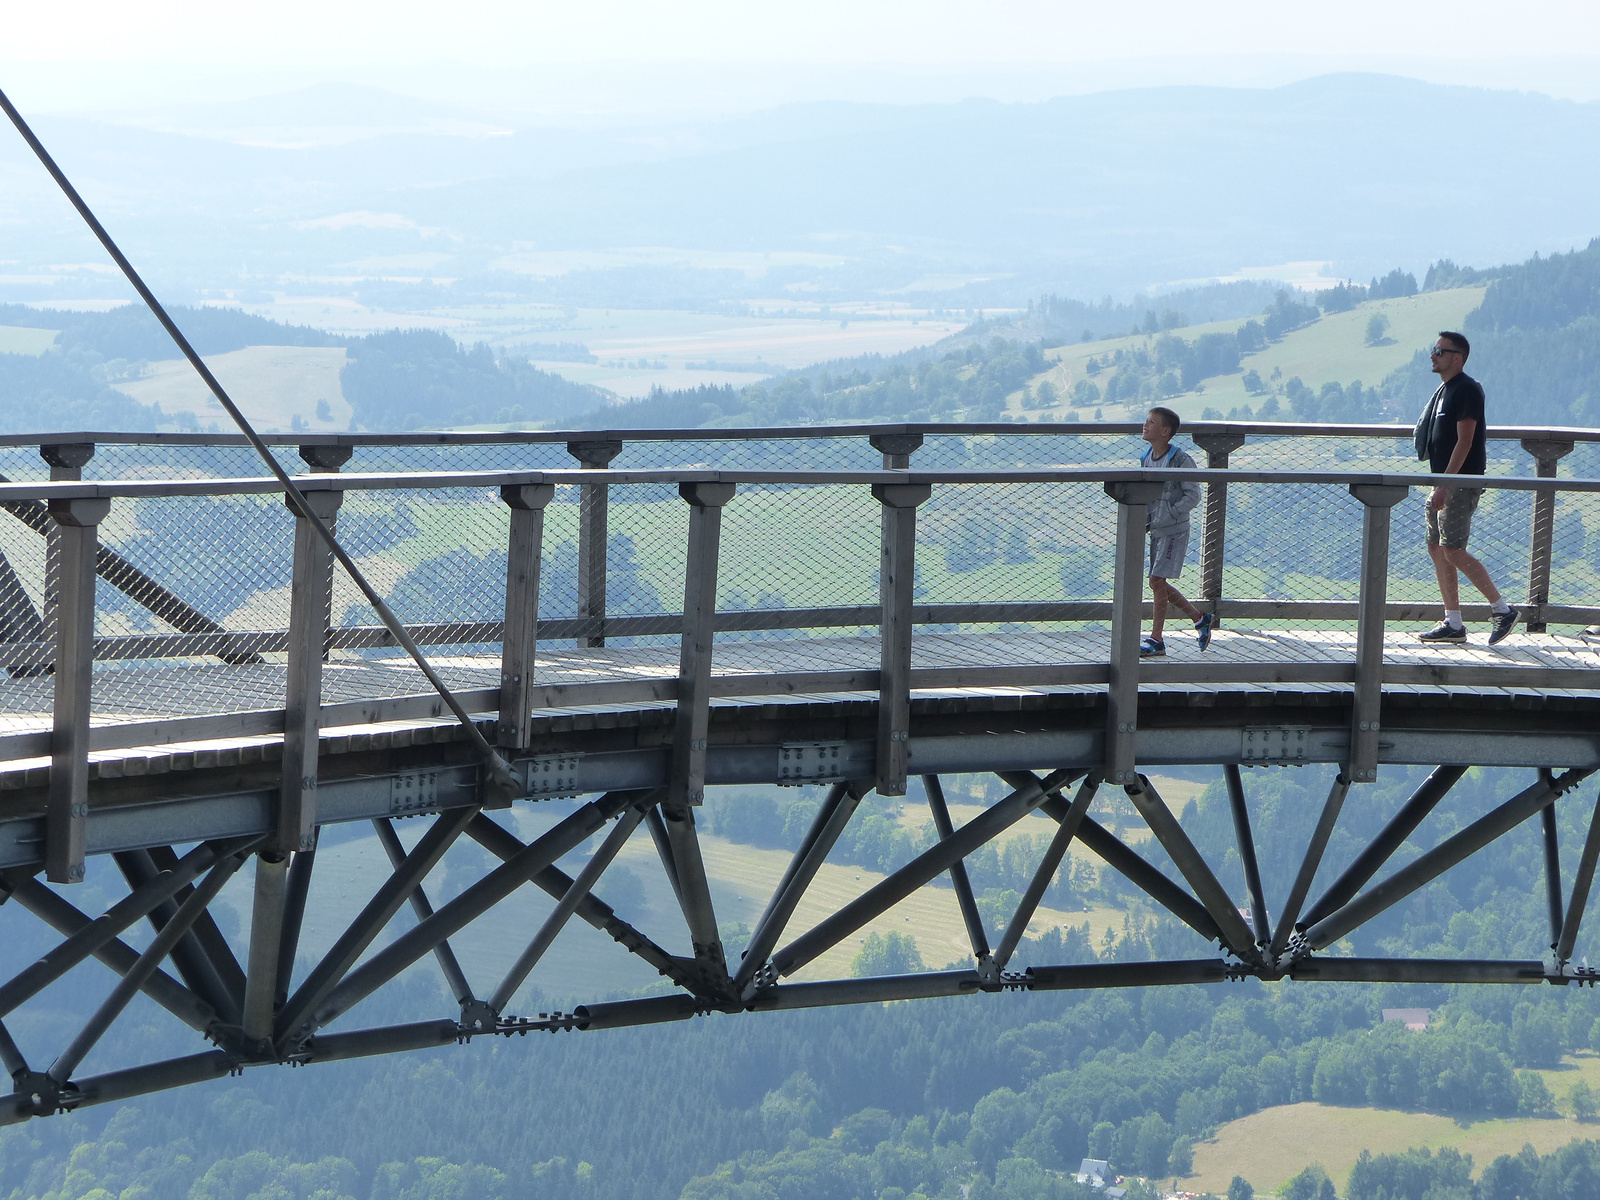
(1276, 743)
(548, 776)
(810, 762)
(415, 791)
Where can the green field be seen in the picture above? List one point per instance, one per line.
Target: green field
(272, 384)
(20, 339)
(1331, 350)
(1270, 1147)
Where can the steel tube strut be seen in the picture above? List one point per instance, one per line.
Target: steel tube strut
(1552, 873)
(499, 772)
(695, 900)
(195, 966)
(1381, 848)
(663, 844)
(443, 955)
(1309, 864)
(1416, 970)
(1581, 884)
(1247, 853)
(294, 914)
(830, 822)
(1192, 866)
(1066, 830)
(627, 822)
(66, 919)
(378, 912)
(958, 870)
(205, 932)
(1440, 859)
(10, 1055)
(468, 906)
(96, 934)
(266, 939)
(554, 882)
(919, 871)
(130, 983)
(141, 1081)
(1143, 876)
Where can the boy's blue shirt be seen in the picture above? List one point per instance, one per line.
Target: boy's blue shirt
(1170, 513)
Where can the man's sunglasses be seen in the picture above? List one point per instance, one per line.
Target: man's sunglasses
(1436, 351)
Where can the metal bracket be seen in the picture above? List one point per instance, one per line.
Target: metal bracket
(414, 792)
(810, 762)
(550, 776)
(1275, 743)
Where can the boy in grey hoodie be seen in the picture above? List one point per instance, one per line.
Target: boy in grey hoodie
(1168, 524)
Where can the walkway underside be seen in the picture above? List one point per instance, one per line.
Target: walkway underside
(180, 820)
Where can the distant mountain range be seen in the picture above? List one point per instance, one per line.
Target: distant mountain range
(1079, 195)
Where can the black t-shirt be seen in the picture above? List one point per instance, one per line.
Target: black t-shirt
(1461, 400)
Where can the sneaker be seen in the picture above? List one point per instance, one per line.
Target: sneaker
(1152, 648)
(1592, 631)
(1202, 629)
(1455, 635)
(1500, 625)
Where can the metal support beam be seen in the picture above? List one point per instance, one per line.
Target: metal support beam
(89, 937)
(554, 882)
(1142, 875)
(699, 913)
(1127, 600)
(20, 621)
(294, 913)
(1309, 865)
(1381, 848)
(687, 783)
(831, 820)
(1066, 830)
(520, 640)
(308, 625)
(1552, 874)
(134, 978)
(924, 868)
(602, 858)
(446, 957)
(1581, 883)
(663, 845)
(69, 921)
(377, 914)
(593, 536)
(67, 813)
(266, 942)
(204, 931)
(958, 871)
(195, 966)
(11, 1059)
(897, 569)
(1547, 452)
(1214, 517)
(1192, 866)
(1376, 502)
(1247, 853)
(471, 904)
(1415, 970)
(1440, 859)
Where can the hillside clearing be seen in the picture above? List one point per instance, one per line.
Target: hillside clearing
(272, 385)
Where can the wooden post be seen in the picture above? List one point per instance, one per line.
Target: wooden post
(897, 572)
(66, 461)
(1377, 500)
(1127, 603)
(327, 459)
(308, 623)
(517, 648)
(896, 448)
(1546, 454)
(593, 535)
(686, 784)
(67, 809)
(1214, 518)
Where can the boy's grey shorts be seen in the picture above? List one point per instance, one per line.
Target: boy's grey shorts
(1451, 525)
(1167, 553)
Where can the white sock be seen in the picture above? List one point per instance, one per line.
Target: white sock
(1500, 608)
(1452, 618)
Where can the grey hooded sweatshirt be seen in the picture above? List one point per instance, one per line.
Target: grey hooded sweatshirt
(1170, 514)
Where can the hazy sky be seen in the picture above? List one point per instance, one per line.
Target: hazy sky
(542, 56)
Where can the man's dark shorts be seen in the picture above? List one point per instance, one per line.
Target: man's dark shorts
(1451, 525)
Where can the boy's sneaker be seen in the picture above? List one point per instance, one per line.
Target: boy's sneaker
(1500, 625)
(1152, 648)
(1455, 635)
(1202, 629)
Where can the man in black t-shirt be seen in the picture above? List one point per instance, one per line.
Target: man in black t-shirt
(1456, 441)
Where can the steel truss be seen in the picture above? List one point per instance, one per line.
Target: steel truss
(252, 1016)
